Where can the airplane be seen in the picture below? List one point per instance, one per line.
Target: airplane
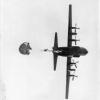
(70, 51)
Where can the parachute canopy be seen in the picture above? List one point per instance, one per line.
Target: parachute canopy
(25, 48)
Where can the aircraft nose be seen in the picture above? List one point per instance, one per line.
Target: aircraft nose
(83, 51)
(86, 51)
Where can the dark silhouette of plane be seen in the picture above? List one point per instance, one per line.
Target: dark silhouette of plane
(69, 51)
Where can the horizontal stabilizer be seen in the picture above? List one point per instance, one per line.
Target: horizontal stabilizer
(55, 56)
(55, 42)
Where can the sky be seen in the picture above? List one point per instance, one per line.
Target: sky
(35, 21)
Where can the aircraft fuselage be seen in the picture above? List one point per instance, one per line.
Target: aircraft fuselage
(74, 51)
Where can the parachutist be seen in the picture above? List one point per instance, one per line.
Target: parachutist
(25, 48)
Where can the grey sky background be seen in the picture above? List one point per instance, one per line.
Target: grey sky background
(35, 21)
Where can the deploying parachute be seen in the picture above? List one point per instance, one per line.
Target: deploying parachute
(25, 48)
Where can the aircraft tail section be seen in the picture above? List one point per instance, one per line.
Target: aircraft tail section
(55, 56)
(55, 42)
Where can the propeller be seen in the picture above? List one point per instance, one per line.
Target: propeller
(76, 40)
(76, 26)
(75, 35)
(74, 63)
(74, 77)
(72, 70)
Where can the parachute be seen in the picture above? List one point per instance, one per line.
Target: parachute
(25, 48)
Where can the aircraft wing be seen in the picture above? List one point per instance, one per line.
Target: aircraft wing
(68, 76)
(70, 26)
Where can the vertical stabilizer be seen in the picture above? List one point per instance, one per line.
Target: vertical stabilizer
(55, 42)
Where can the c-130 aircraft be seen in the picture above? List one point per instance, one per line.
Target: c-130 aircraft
(69, 51)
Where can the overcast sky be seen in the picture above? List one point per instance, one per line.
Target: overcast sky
(35, 21)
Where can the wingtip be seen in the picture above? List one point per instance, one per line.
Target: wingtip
(55, 32)
(70, 4)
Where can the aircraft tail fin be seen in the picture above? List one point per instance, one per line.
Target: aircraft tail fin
(55, 42)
